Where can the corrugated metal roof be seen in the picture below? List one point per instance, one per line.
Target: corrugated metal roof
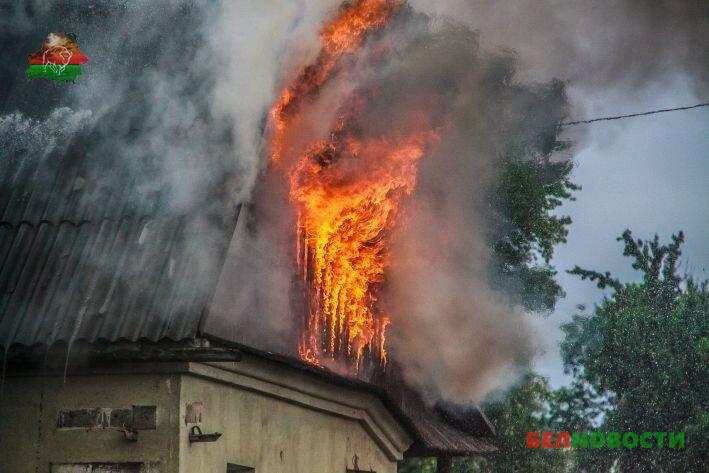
(66, 184)
(133, 278)
(441, 428)
(437, 436)
(93, 247)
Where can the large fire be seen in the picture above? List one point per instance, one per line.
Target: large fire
(346, 189)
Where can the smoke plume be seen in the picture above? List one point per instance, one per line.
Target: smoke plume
(452, 334)
(620, 44)
(176, 96)
(176, 92)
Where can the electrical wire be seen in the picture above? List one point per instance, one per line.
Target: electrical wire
(618, 117)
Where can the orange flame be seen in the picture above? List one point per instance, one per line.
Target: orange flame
(346, 191)
(341, 36)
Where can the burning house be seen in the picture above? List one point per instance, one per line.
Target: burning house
(152, 325)
(113, 360)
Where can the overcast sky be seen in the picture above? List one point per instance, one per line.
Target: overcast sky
(649, 174)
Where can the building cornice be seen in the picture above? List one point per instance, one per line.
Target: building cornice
(305, 389)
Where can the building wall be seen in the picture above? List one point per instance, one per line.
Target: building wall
(272, 418)
(276, 422)
(29, 407)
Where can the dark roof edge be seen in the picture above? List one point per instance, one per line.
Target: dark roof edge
(297, 364)
(86, 352)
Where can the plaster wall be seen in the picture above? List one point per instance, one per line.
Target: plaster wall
(273, 419)
(30, 440)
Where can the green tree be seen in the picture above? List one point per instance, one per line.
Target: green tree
(525, 228)
(644, 350)
(533, 182)
(418, 465)
(527, 407)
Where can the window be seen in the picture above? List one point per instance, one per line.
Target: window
(232, 468)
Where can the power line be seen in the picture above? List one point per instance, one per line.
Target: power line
(618, 117)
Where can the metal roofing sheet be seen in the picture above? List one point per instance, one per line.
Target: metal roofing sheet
(99, 245)
(131, 278)
(91, 247)
(69, 185)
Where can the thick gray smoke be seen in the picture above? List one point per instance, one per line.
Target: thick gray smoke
(166, 118)
(451, 333)
(608, 44)
(177, 93)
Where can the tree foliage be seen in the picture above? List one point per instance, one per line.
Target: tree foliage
(644, 350)
(526, 228)
(527, 407)
(418, 465)
(639, 363)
